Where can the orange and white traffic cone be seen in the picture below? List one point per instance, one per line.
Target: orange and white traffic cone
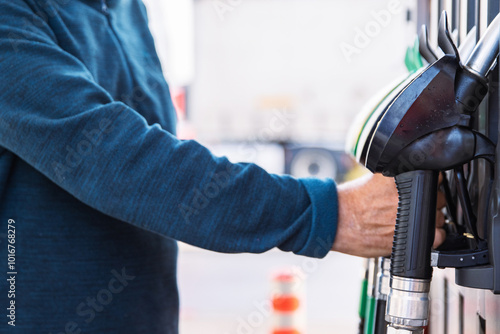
(288, 304)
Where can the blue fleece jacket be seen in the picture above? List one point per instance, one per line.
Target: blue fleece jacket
(95, 188)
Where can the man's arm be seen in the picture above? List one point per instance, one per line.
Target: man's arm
(54, 116)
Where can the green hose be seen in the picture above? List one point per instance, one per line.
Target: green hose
(362, 299)
(370, 315)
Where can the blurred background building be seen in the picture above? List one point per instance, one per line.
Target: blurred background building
(276, 82)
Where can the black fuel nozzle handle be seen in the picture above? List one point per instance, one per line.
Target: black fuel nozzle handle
(415, 224)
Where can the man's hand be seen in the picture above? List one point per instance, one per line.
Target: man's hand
(367, 216)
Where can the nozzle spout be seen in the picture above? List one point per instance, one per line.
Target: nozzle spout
(486, 51)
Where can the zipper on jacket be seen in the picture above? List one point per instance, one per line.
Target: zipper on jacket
(104, 7)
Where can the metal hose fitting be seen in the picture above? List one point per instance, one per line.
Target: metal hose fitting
(408, 304)
(383, 279)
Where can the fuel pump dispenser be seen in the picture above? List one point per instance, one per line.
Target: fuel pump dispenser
(422, 129)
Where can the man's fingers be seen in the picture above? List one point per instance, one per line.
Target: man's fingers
(440, 232)
(439, 218)
(439, 238)
(441, 200)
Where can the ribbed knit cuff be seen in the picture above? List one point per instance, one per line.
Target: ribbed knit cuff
(323, 195)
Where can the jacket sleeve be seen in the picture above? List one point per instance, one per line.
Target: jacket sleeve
(54, 116)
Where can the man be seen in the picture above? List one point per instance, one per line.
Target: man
(97, 188)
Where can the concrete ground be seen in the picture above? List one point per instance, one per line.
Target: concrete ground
(228, 294)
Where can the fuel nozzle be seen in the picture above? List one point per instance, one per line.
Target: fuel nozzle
(423, 131)
(411, 273)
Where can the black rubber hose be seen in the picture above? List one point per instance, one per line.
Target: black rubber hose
(361, 326)
(380, 323)
(451, 208)
(415, 224)
(465, 202)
